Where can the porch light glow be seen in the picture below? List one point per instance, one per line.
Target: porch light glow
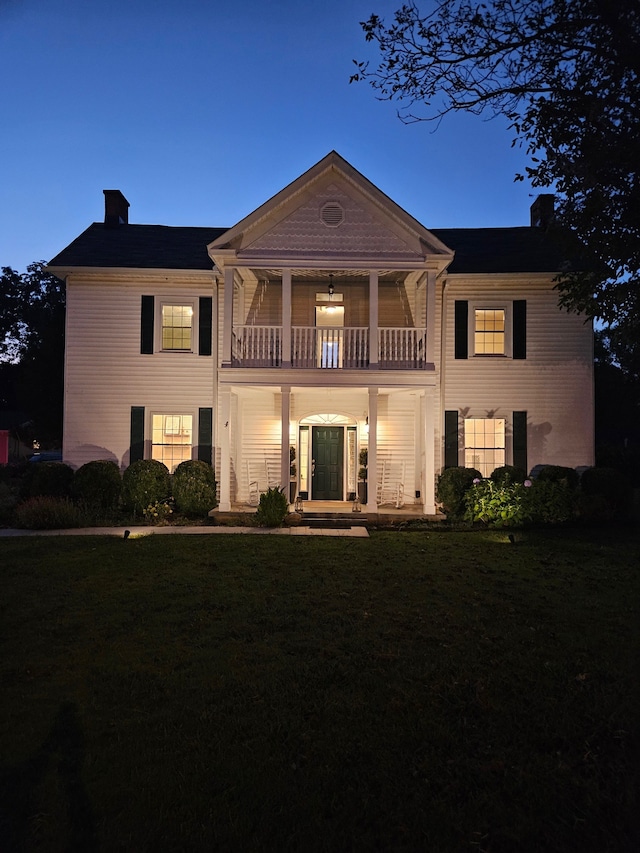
(330, 285)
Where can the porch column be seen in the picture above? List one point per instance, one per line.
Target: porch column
(225, 450)
(286, 322)
(429, 438)
(430, 319)
(373, 326)
(229, 275)
(285, 408)
(372, 467)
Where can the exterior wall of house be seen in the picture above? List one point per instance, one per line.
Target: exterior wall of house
(553, 384)
(106, 374)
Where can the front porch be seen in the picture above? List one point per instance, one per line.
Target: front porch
(337, 514)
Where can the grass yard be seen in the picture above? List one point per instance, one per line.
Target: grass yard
(416, 691)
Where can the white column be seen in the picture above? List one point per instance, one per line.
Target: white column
(373, 323)
(286, 321)
(229, 274)
(285, 408)
(431, 316)
(372, 461)
(225, 450)
(429, 438)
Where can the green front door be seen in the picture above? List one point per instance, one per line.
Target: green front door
(327, 449)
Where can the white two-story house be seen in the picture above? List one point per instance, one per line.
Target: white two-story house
(326, 322)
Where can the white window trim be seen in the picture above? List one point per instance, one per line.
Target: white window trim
(491, 305)
(180, 303)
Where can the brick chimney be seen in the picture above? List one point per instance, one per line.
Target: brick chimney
(116, 209)
(542, 211)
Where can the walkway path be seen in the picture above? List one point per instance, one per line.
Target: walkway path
(135, 532)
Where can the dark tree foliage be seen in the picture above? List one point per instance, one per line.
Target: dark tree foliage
(566, 75)
(32, 317)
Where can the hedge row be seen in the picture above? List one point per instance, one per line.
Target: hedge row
(100, 488)
(550, 494)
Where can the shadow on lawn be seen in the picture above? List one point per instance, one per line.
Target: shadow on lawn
(22, 817)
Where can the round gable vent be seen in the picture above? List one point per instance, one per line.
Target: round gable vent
(332, 214)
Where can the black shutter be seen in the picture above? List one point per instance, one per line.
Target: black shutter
(461, 336)
(205, 435)
(205, 325)
(450, 439)
(520, 440)
(146, 325)
(520, 328)
(136, 449)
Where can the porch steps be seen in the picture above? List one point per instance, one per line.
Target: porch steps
(333, 520)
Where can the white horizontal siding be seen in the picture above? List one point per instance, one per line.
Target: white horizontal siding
(553, 384)
(105, 373)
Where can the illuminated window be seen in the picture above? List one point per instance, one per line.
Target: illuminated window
(177, 322)
(489, 331)
(329, 335)
(171, 439)
(484, 444)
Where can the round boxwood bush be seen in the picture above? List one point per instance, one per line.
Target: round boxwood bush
(194, 487)
(605, 494)
(508, 474)
(48, 479)
(144, 483)
(559, 474)
(98, 485)
(451, 487)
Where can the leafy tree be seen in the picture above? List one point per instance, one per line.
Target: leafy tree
(566, 75)
(32, 314)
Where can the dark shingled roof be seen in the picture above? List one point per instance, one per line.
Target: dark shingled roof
(140, 247)
(501, 250)
(477, 250)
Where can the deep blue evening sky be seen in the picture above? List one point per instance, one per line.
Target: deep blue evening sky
(200, 111)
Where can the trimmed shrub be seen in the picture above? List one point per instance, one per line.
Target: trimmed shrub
(48, 479)
(194, 487)
(559, 474)
(144, 483)
(49, 513)
(451, 487)
(98, 485)
(272, 508)
(605, 494)
(507, 474)
(548, 502)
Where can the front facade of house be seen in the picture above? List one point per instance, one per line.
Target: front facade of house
(327, 322)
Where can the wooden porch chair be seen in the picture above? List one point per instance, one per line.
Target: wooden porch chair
(390, 487)
(261, 476)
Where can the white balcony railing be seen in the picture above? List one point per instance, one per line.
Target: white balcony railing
(257, 346)
(328, 347)
(402, 348)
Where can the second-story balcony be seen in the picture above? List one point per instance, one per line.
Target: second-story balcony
(327, 347)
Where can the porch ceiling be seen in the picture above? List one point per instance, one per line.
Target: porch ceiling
(339, 276)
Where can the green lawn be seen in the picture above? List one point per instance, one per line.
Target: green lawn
(416, 691)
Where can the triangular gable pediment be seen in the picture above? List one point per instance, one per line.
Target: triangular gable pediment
(331, 212)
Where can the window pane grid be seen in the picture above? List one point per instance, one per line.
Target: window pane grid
(171, 439)
(176, 326)
(484, 441)
(489, 331)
